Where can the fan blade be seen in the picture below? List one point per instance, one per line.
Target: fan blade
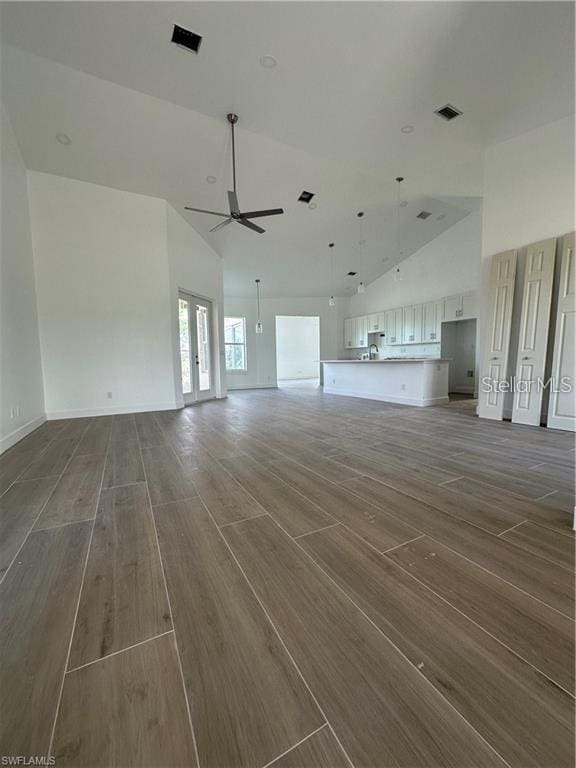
(222, 224)
(257, 214)
(233, 202)
(201, 210)
(249, 224)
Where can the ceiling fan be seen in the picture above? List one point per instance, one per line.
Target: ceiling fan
(235, 213)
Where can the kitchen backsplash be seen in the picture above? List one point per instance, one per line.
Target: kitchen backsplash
(395, 350)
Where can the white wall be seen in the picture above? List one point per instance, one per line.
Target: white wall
(297, 347)
(529, 196)
(261, 348)
(103, 297)
(21, 388)
(195, 268)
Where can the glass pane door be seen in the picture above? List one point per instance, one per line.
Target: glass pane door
(185, 347)
(203, 348)
(194, 322)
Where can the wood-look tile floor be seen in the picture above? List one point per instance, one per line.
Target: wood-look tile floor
(288, 578)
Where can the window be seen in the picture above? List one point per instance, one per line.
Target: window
(235, 343)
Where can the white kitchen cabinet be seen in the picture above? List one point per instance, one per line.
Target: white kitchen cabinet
(376, 323)
(460, 307)
(393, 321)
(361, 331)
(468, 306)
(433, 314)
(412, 324)
(349, 332)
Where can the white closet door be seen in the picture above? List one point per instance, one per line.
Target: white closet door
(534, 325)
(561, 408)
(495, 362)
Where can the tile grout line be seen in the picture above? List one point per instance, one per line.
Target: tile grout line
(318, 530)
(235, 522)
(115, 653)
(546, 495)
(465, 557)
(73, 628)
(276, 631)
(294, 746)
(61, 525)
(184, 691)
(39, 456)
(448, 602)
(512, 528)
(452, 480)
(43, 507)
(398, 650)
(402, 544)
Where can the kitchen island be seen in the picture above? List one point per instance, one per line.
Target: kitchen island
(408, 380)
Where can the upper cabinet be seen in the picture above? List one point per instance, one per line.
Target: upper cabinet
(461, 307)
(433, 312)
(413, 324)
(376, 323)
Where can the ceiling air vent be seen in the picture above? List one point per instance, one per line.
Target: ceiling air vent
(186, 39)
(305, 197)
(448, 112)
(351, 274)
(423, 215)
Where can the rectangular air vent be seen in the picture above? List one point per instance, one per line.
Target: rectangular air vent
(423, 215)
(186, 39)
(305, 197)
(448, 112)
(351, 274)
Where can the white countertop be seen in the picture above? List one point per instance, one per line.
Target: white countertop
(393, 360)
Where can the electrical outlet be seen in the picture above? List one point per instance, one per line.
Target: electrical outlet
(470, 374)
(403, 387)
(333, 381)
(109, 395)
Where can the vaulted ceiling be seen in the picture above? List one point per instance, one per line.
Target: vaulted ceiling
(147, 116)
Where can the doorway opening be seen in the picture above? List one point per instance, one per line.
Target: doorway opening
(459, 347)
(297, 350)
(195, 338)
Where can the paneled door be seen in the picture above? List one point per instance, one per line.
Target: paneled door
(495, 356)
(195, 326)
(561, 407)
(534, 324)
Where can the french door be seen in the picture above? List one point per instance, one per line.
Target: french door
(195, 336)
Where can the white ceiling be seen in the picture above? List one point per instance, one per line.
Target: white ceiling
(149, 117)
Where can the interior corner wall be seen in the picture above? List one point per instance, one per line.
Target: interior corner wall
(102, 281)
(528, 197)
(197, 269)
(261, 348)
(21, 387)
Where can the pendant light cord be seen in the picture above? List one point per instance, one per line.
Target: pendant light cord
(258, 297)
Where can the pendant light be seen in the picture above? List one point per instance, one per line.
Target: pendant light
(361, 286)
(259, 327)
(331, 300)
(397, 273)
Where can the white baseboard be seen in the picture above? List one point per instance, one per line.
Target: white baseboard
(21, 432)
(109, 411)
(253, 386)
(389, 398)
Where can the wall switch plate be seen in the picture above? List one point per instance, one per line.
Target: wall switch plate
(109, 395)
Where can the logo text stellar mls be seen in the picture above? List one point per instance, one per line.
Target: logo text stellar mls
(514, 384)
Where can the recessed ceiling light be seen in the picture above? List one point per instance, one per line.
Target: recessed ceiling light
(211, 179)
(268, 62)
(312, 206)
(63, 138)
(306, 197)
(407, 129)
